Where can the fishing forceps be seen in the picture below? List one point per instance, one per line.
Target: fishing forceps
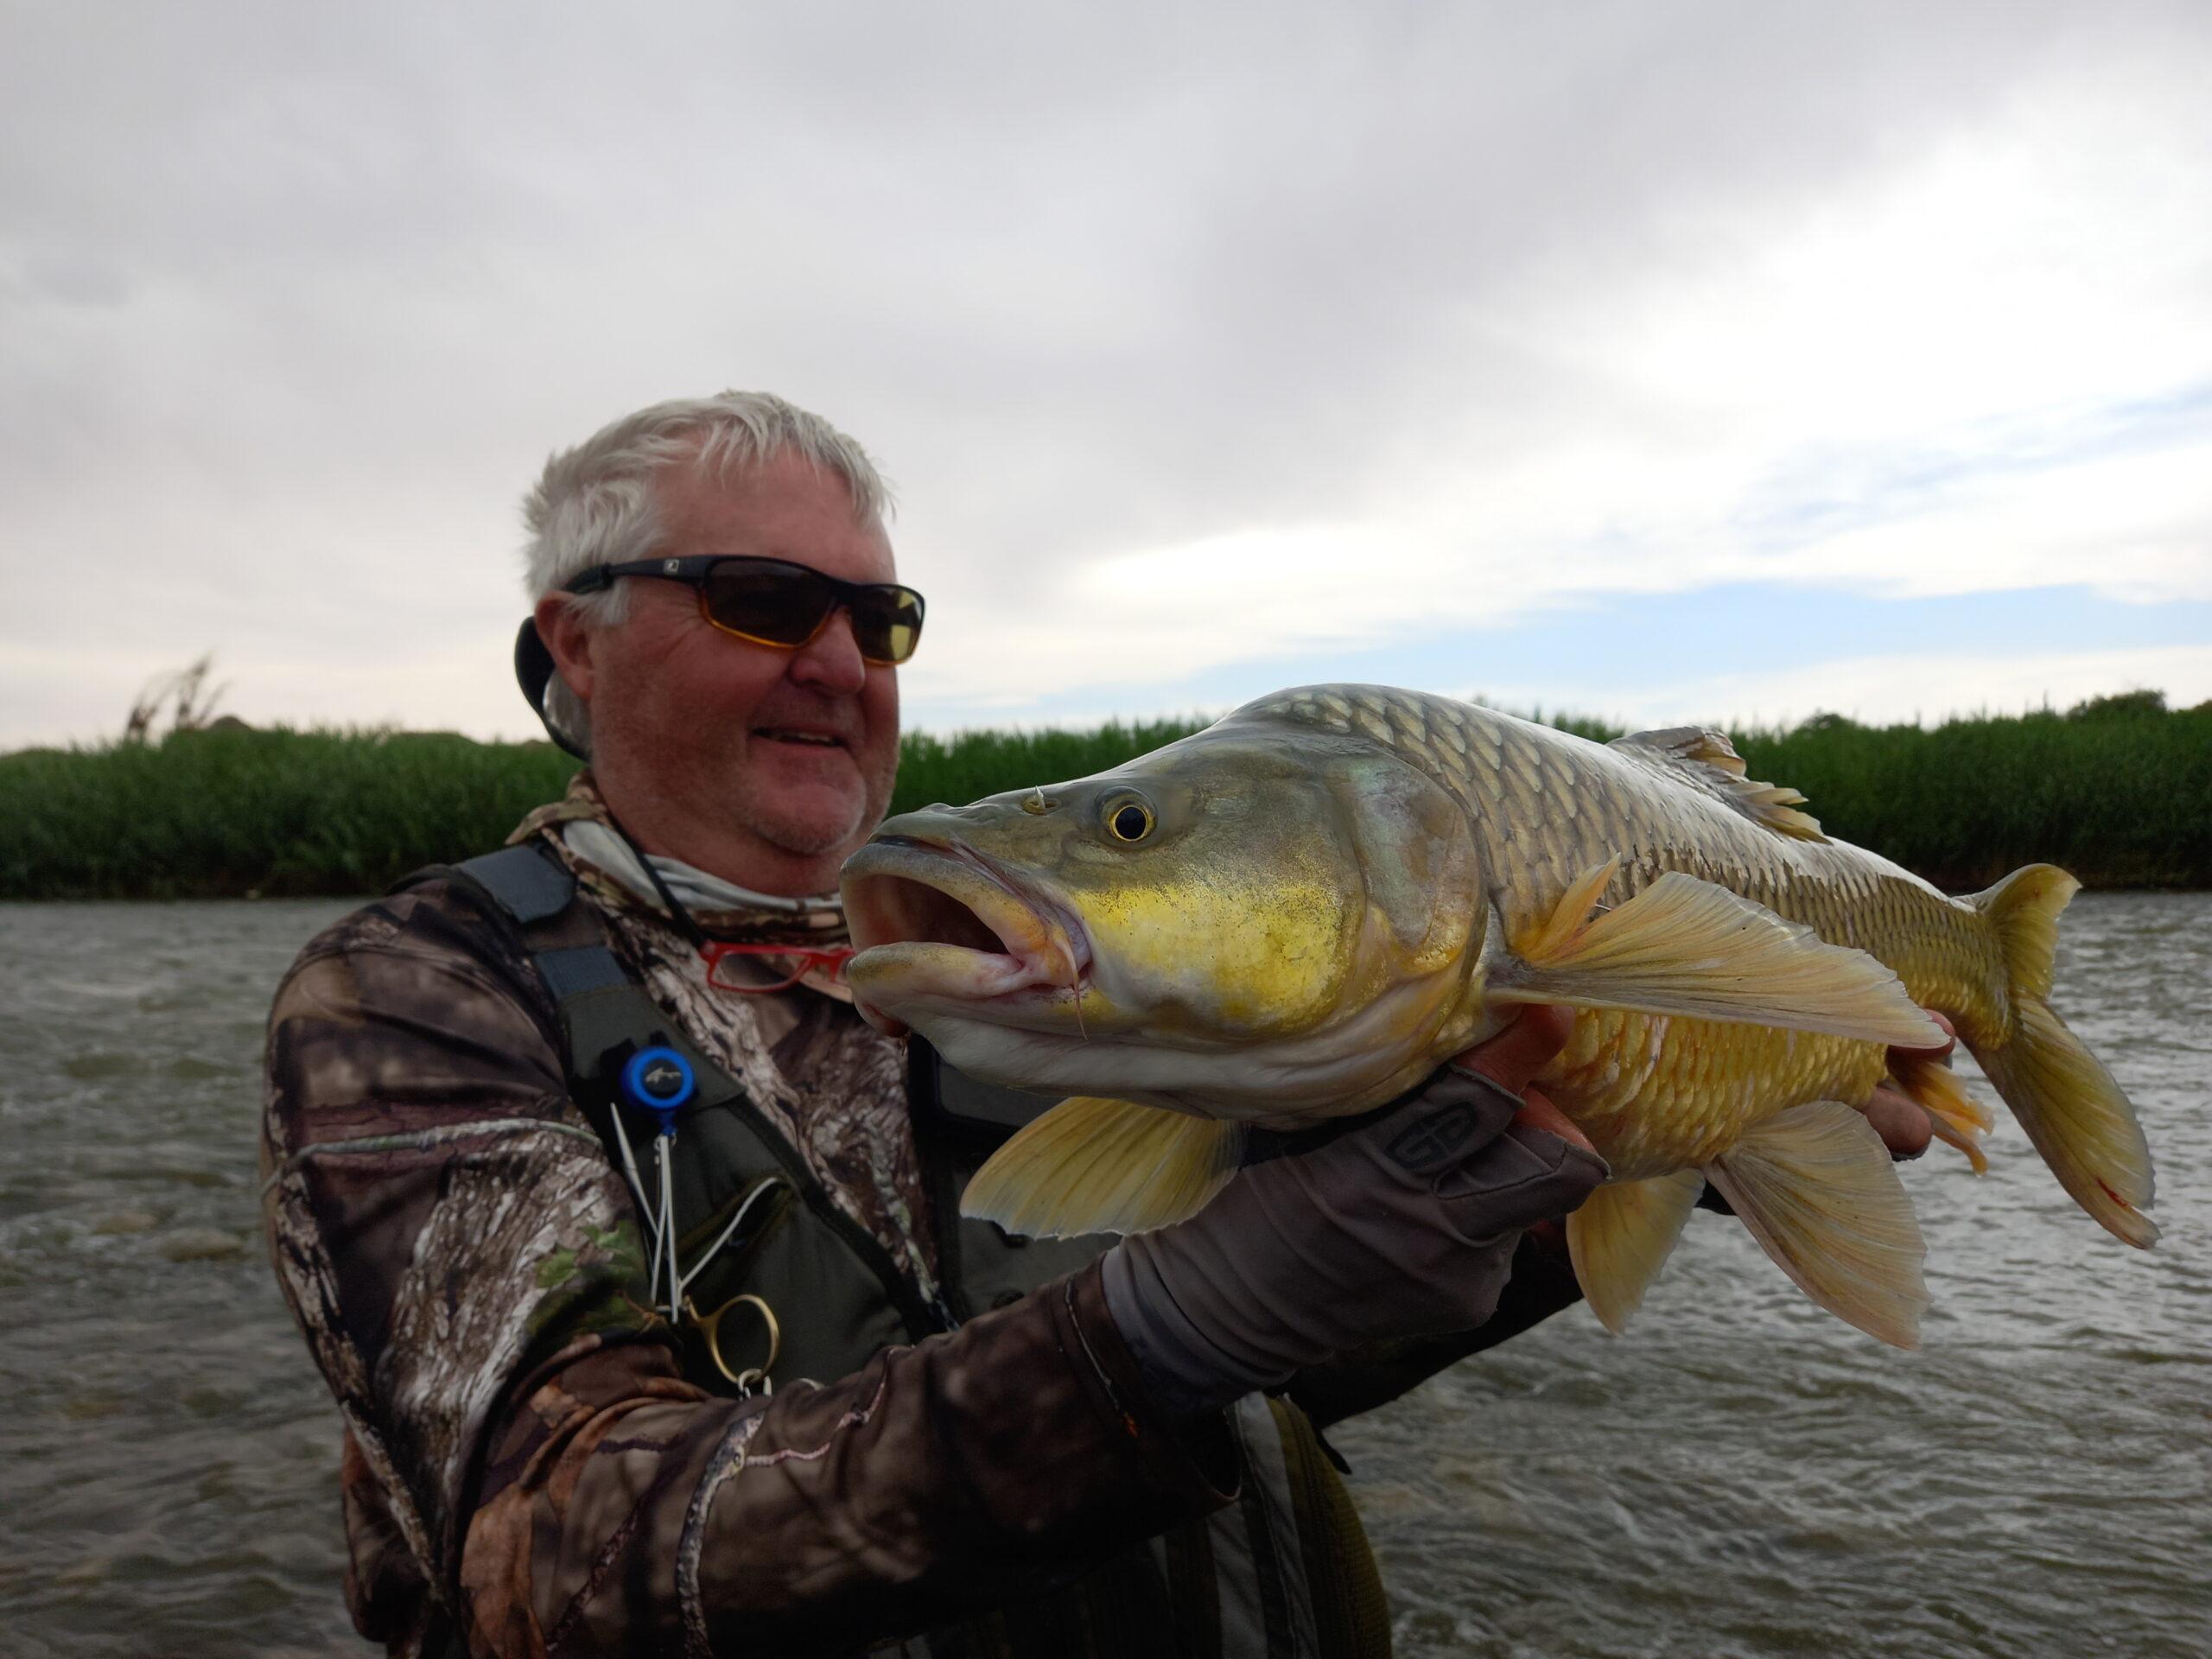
(660, 1082)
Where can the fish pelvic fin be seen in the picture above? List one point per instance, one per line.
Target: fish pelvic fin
(1097, 1166)
(1707, 760)
(1621, 1236)
(2077, 1115)
(1686, 946)
(1817, 1187)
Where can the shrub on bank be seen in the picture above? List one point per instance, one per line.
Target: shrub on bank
(236, 812)
(229, 813)
(2118, 790)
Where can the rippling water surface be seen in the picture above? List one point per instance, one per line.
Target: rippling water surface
(1740, 1475)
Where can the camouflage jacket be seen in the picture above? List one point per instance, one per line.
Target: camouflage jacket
(529, 1467)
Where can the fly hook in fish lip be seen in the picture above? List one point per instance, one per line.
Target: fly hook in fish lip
(936, 920)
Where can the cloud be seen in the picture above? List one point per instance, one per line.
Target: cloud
(1189, 343)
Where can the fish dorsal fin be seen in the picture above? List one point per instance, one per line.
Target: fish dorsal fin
(1684, 946)
(1621, 1236)
(1701, 756)
(1817, 1189)
(1688, 745)
(1094, 1165)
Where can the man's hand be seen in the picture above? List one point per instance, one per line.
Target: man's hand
(1405, 1227)
(1515, 1055)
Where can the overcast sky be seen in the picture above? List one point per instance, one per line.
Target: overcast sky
(1660, 361)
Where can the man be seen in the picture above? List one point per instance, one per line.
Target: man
(733, 1375)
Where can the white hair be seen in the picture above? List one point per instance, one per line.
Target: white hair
(595, 503)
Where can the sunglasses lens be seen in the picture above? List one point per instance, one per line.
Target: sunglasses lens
(887, 624)
(783, 608)
(780, 605)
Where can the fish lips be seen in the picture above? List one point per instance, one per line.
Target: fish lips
(940, 927)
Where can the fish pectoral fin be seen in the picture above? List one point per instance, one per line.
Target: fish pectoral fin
(1707, 760)
(1958, 1119)
(1621, 1236)
(1685, 946)
(1096, 1166)
(1817, 1189)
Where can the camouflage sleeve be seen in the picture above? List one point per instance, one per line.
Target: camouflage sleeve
(525, 1465)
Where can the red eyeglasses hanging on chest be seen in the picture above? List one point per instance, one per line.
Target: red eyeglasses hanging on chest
(811, 958)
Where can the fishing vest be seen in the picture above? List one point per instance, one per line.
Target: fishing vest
(1285, 1572)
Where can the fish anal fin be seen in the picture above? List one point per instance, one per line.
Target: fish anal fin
(1817, 1187)
(1097, 1166)
(1621, 1236)
(1686, 946)
(1957, 1118)
(1706, 759)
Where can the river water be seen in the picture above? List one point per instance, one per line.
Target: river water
(1739, 1475)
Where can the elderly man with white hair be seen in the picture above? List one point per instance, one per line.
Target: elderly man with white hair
(633, 1256)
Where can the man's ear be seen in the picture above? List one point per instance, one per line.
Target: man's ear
(568, 636)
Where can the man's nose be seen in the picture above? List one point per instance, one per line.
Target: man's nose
(831, 661)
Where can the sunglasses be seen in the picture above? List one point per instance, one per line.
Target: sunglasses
(774, 602)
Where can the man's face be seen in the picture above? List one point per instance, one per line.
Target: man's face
(765, 768)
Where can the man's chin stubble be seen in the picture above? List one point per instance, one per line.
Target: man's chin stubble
(811, 836)
(803, 840)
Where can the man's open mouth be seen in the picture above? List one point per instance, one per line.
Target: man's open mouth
(939, 921)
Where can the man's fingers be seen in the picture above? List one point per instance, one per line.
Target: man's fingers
(1513, 1057)
(1900, 1121)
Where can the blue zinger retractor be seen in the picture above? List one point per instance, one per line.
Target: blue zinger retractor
(660, 1081)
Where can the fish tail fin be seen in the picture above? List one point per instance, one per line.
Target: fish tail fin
(2068, 1102)
(2024, 908)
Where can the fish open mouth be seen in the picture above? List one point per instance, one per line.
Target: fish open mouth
(939, 923)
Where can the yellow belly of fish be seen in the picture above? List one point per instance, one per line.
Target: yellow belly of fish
(1658, 1095)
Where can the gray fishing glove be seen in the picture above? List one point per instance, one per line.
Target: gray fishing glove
(1404, 1228)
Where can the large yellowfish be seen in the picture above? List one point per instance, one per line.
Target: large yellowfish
(1300, 911)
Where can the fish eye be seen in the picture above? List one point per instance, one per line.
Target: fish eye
(1129, 820)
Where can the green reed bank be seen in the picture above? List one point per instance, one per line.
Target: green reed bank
(2118, 790)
